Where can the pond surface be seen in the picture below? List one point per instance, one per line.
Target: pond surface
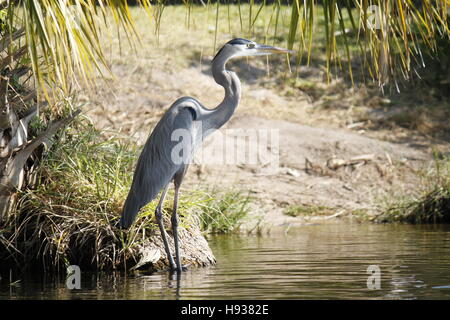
(327, 261)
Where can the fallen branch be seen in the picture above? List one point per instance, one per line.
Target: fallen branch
(335, 163)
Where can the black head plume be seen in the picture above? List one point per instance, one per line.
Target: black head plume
(235, 41)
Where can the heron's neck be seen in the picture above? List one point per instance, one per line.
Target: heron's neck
(230, 82)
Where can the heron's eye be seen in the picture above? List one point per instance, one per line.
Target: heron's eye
(250, 45)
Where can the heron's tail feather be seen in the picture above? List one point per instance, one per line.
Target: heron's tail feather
(130, 210)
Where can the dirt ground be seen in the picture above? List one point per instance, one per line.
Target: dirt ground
(330, 154)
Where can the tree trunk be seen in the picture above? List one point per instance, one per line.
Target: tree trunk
(18, 156)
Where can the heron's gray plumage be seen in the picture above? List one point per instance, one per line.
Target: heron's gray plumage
(156, 167)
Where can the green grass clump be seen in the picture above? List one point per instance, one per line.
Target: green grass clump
(70, 216)
(223, 212)
(307, 210)
(431, 206)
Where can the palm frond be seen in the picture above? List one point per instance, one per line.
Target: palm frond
(63, 37)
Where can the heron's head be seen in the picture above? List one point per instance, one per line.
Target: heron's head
(243, 48)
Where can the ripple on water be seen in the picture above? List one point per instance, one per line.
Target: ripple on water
(311, 262)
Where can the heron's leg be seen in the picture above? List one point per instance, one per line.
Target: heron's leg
(159, 220)
(177, 179)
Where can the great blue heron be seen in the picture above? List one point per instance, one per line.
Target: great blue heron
(156, 166)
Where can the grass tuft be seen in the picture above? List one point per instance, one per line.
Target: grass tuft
(432, 205)
(307, 210)
(70, 216)
(223, 212)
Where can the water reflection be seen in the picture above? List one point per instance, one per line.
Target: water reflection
(309, 262)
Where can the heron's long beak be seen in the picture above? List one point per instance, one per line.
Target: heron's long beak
(269, 49)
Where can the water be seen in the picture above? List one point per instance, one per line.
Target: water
(310, 262)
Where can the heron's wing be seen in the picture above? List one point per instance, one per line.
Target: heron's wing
(167, 150)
